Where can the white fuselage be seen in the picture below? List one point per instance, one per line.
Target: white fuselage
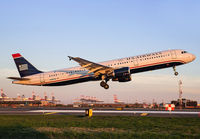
(137, 64)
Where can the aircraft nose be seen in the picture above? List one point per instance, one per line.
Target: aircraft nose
(193, 57)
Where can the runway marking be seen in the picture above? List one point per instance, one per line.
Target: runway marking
(144, 114)
(114, 111)
(50, 113)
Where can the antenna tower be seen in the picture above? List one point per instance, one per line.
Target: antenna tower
(180, 93)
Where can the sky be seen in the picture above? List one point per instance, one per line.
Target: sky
(46, 32)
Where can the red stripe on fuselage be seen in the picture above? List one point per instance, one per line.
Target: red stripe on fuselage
(16, 55)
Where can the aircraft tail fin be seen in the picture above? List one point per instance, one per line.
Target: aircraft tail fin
(24, 67)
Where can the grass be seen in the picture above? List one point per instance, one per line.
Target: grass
(72, 127)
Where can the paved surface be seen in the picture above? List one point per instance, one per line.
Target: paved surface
(108, 112)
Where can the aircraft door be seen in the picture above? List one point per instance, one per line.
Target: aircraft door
(135, 61)
(42, 78)
(173, 54)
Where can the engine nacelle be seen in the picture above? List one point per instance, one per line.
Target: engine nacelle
(122, 75)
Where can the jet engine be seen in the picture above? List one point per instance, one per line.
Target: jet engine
(122, 75)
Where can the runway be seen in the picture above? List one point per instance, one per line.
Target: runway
(104, 112)
(123, 112)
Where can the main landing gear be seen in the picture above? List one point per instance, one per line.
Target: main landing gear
(104, 85)
(104, 82)
(175, 72)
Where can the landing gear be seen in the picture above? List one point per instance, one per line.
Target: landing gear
(104, 85)
(104, 82)
(175, 72)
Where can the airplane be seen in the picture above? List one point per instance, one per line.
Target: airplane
(118, 70)
(117, 101)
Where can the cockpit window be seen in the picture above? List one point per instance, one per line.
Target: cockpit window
(183, 52)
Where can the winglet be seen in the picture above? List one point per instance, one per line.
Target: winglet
(17, 55)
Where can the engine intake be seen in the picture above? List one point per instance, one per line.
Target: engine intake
(122, 75)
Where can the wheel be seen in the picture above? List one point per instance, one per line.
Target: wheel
(106, 86)
(176, 73)
(102, 84)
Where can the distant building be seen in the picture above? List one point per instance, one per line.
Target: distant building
(185, 103)
(23, 101)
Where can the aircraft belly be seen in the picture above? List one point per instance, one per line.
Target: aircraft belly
(72, 81)
(155, 67)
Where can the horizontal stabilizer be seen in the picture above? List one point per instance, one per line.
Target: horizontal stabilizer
(18, 78)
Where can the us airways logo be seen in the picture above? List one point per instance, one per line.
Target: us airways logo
(23, 67)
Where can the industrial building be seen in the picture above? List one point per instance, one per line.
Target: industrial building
(185, 103)
(21, 101)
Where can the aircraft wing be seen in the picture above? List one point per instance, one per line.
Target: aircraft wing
(95, 68)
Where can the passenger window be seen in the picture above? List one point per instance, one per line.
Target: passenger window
(183, 52)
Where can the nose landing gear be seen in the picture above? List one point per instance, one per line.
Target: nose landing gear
(175, 72)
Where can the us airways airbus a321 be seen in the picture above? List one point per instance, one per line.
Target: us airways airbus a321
(119, 70)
